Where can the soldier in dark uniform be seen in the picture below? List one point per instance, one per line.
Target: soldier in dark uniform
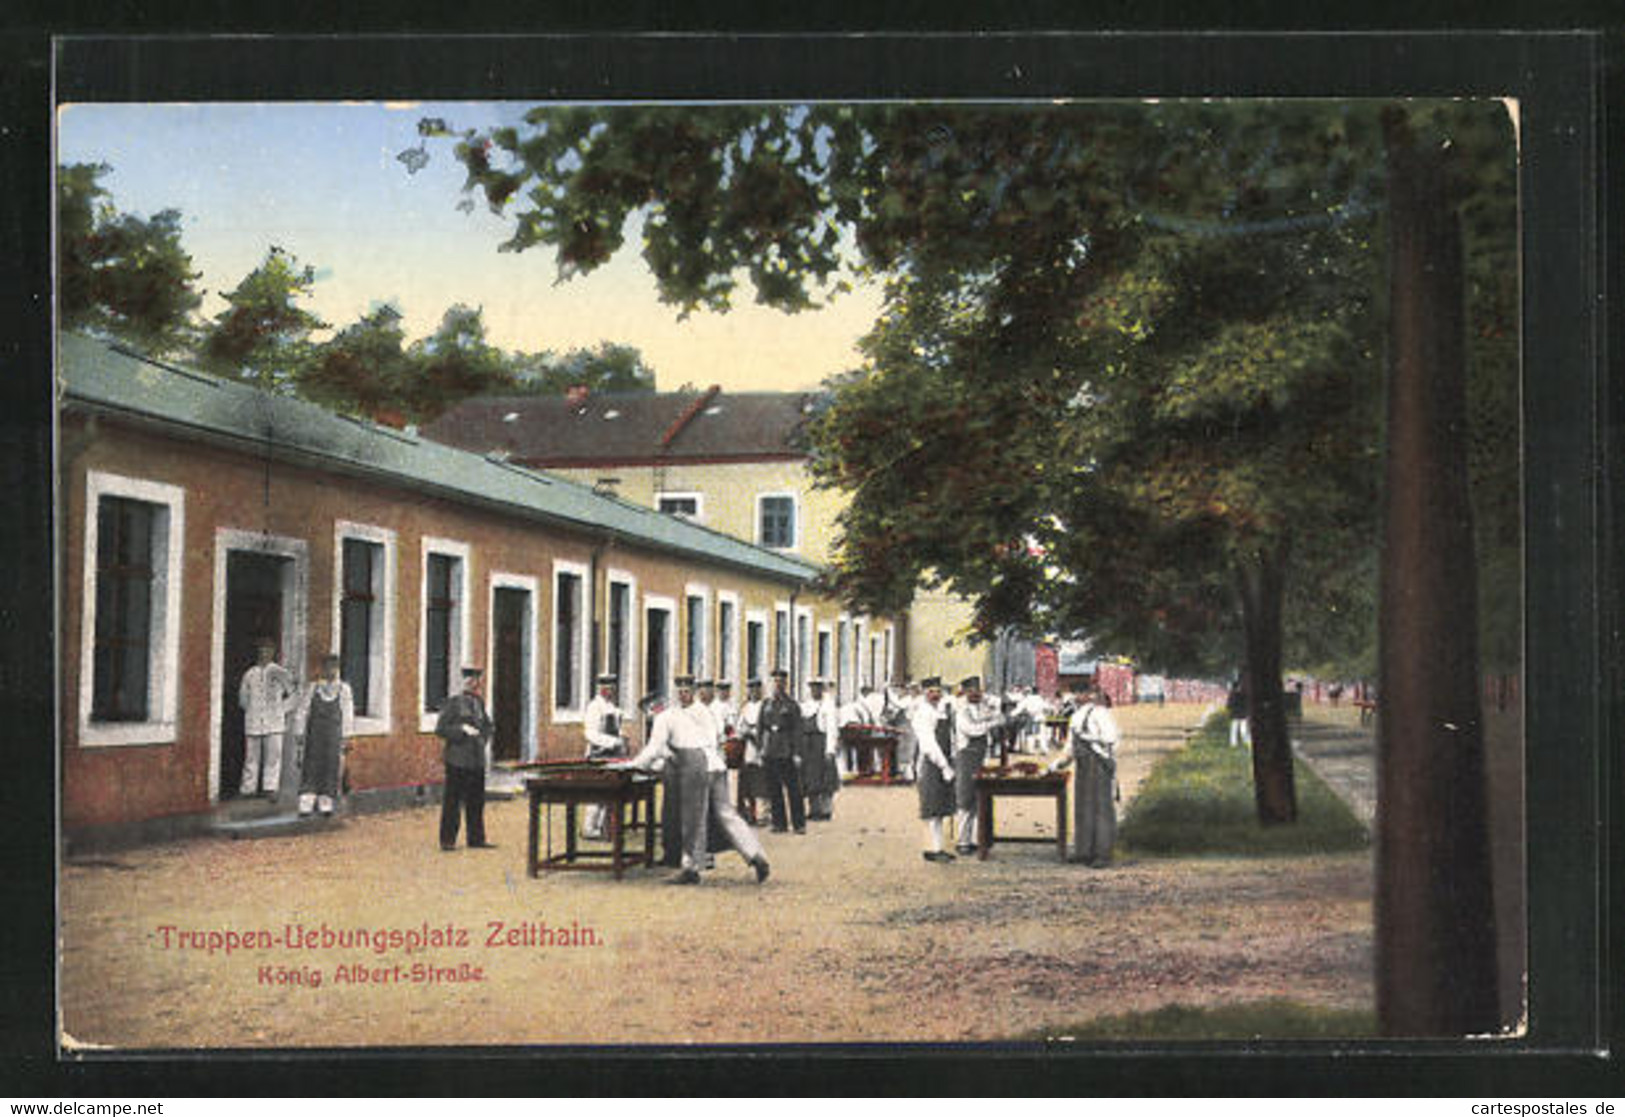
(466, 728)
(780, 729)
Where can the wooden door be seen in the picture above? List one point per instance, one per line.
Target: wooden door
(509, 689)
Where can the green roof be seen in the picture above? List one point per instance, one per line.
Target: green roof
(99, 376)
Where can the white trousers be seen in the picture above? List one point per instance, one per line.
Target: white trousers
(965, 828)
(256, 745)
(716, 803)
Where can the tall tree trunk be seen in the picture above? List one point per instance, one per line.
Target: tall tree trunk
(1435, 924)
(1262, 582)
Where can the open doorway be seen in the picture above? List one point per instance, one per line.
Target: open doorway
(512, 692)
(254, 606)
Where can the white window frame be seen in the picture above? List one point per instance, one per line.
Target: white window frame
(381, 659)
(164, 631)
(457, 656)
(846, 659)
(795, 521)
(692, 591)
(294, 603)
(802, 655)
(782, 609)
(669, 606)
(527, 718)
(760, 617)
(830, 671)
(728, 641)
(861, 675)
(577, 711)
(631, 665)
(699, 505)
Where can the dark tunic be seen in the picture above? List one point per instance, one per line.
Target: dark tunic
(324, 741)
(819, 776)
(464, 750)
(780, 727)
(1094, 815)
(1094, 812)
(936, 792)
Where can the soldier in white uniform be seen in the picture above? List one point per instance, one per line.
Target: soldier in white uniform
(820, 776)
(1092, 737)
(606, 740)
(752, 779)
(931, 723)
(975, 718)
(723, 709)
(686, 735)
(265, 694)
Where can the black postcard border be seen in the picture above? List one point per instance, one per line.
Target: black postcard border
(1574, 420)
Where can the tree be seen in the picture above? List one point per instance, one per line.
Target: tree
(1436, 935)
(363, 369)
(453, 363)
(607, 367)
(1045, 347)
(118, 274)
(263, 336)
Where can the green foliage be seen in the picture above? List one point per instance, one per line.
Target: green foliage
(363, 369)
(263, 336)
(1199, 800)
(607, 367)
(1270, 1019)
(1128, 351)
(454, 363)
(119, 275)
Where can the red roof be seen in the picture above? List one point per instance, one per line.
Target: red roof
(631, 428)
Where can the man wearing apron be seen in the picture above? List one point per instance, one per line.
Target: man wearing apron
(606, 740)
(1092, 737)
(325, 719)
(931, 723)
(820, 778)
(974, 721)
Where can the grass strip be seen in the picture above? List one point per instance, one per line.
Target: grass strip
(1266, 1020)
(1199, 800)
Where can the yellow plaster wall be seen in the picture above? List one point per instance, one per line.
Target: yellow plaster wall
(728, 496)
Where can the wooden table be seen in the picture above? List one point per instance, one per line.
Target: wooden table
(991, 784)
(870, 742)
(587, 783)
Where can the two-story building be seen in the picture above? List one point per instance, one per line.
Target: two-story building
(730, 461)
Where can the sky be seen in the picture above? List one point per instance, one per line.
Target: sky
(323, 181)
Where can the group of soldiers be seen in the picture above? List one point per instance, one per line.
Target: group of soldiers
(791, 753)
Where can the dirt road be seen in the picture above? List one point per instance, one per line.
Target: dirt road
(855, 937)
